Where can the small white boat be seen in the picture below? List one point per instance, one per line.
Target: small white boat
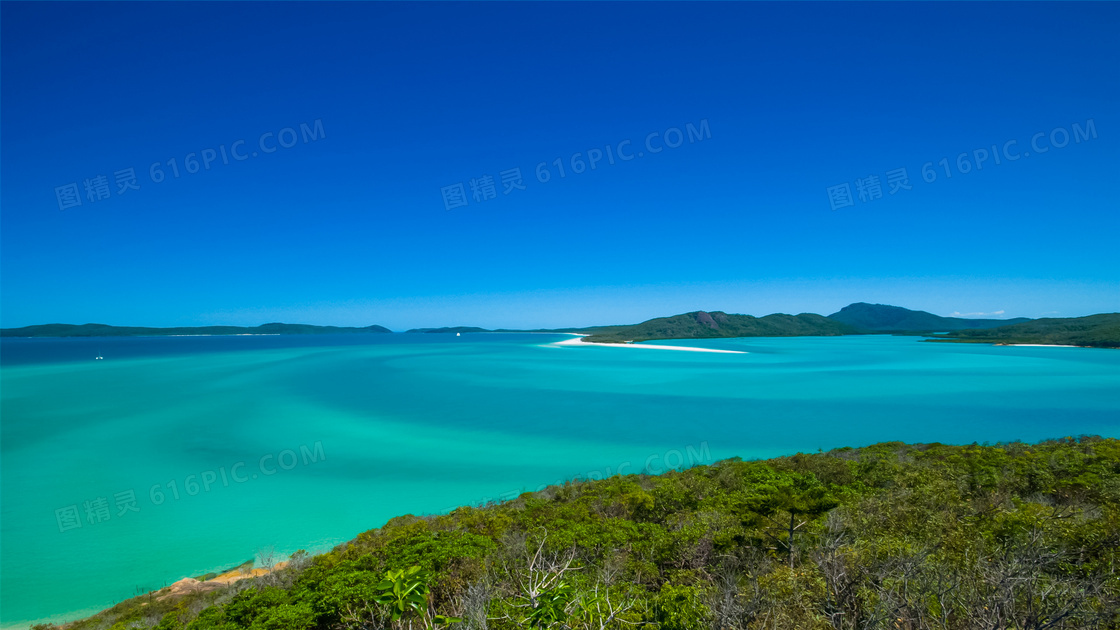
(456, 334)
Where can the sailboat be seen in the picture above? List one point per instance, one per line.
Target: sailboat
(99, 357)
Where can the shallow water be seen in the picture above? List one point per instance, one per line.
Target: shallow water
(233, 444)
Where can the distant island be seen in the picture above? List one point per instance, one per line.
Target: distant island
(855, 319)
(860, 318)
(705, 325)
(895, 319)
(103, 330)
(1094, 331)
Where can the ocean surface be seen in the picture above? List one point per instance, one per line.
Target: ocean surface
(179, 456)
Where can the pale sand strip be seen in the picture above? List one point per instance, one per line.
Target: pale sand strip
(577, 340)
(187, 586)
(1036, 345)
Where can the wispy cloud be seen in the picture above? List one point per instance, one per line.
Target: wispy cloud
(996, 314)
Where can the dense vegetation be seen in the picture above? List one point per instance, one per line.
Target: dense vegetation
(103, 330)
(704, 325)
(1014, 536)
(1099, 331)
(895, 319)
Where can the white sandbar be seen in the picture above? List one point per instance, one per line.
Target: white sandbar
(577, 340)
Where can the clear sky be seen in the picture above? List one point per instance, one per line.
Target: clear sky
(356, 221)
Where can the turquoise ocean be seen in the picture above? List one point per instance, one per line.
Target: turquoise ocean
(175, 457)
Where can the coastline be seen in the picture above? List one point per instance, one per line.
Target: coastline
(578, 340)
(1002, 344)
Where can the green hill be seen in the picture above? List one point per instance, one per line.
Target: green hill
(891, 536)
(885, 318)
(717, 324)
(103, 330)
(1095, 331)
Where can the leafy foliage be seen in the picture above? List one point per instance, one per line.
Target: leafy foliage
(404, 592)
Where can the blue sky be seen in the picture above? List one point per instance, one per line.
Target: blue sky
(350, 226)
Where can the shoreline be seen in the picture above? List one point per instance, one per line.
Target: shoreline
(1003, 344)
(578, 340)
(179, 589)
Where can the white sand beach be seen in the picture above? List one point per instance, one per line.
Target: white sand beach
(577, 340)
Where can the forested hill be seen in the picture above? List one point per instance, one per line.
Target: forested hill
(103, 330)
(705, 325)
(928, 537)
(1097, 331)
(885, 318)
